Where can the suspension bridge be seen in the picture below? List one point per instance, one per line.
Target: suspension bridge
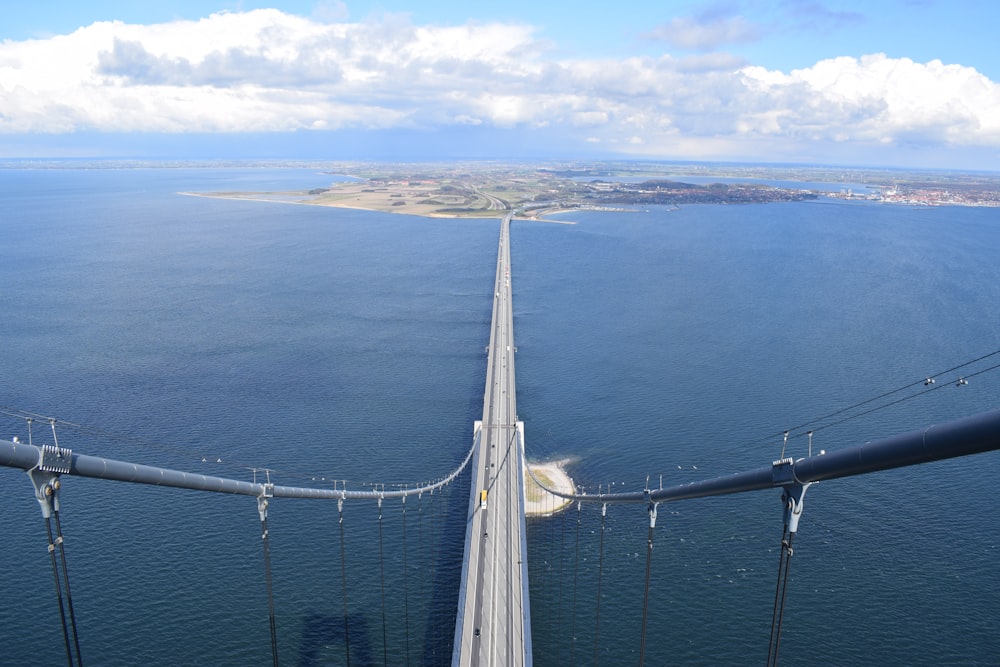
(492, 610)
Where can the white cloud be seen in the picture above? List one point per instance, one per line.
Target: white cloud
(705, 33)
(881, 99)
(266, 71)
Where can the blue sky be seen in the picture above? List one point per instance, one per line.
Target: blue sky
(893, 82)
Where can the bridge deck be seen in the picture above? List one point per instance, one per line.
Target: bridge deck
(493, 619)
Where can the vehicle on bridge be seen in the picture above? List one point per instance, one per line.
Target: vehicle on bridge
(482, 499)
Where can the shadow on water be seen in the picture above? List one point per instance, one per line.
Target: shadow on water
(439, 640)
(323, 639)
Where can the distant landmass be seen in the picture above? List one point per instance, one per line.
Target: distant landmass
(485, 189)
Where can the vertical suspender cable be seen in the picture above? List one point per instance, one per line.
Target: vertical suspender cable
(343, 583)
(559, 601)
(262, 503)
(381, 567)
(69, 596)
(59, 595)
(645, 597)
(421, 565)
(600, 578)
(793, 498)
(440, 529)
(777, 592)
(46, 492)
(576, 570)
(550, 528)
(786, 546)
(62, 553)
(437, 643)
(406, 589)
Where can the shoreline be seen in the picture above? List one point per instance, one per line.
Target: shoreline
(286, 198)
(538, 501)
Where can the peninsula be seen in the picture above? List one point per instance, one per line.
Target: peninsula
(486, 189)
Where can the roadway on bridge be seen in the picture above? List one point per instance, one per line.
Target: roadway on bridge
(492, 627)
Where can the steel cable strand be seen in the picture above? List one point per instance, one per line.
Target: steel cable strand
(265, 540)
(783, 582)
(777, 591)
(600, 580)
(406, 589)
(436, 635)
(875, 409)
(343, 583)
(381, 566)
(422, 561)
(797, 430)
(576, 571)
(559, 595)
(69, 596)
(906, 398)
(59, 593)
(645, 596)
(784, 595)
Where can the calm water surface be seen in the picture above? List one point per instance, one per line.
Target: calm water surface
(217, 336)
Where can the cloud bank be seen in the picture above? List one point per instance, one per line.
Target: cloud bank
(267, 71)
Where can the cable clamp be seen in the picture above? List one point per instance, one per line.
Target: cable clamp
(782, 471)
(55, 459)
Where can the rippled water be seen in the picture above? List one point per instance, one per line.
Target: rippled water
(338, 344)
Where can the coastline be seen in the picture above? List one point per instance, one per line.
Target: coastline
(287, 198)
(538, 501)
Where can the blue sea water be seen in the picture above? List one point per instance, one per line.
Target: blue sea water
(218, 335)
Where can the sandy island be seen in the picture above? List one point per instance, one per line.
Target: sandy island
(538, 501)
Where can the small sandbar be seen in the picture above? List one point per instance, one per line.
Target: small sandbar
(271, 197)
(538, 501)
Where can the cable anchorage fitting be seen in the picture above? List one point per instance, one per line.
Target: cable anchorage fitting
(793, 496)
(53, 461)
(46, 486)
(263, 500)
(651, 506)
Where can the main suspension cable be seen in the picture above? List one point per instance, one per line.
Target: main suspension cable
(297, 474)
